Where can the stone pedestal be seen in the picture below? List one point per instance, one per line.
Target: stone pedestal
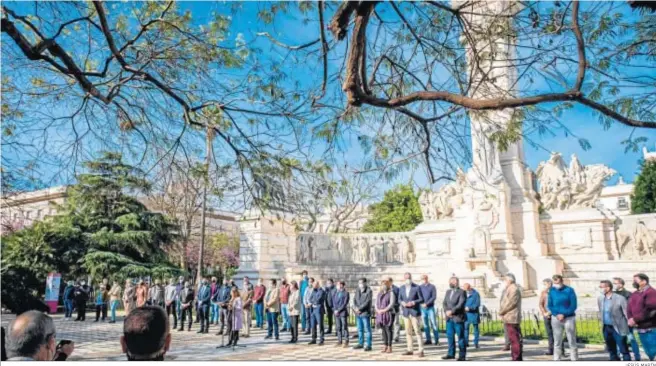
(266, 245)
(580, 234)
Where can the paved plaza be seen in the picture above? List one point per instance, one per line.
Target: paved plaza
(100, 341)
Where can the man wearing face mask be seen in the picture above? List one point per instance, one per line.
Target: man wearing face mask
(330, 292)
(81, 297)
(272, 303)
(307, 306)
(546, 315)
(615, 327)
(221, 299)
(258, 300)
(303, 285)
(341, 303)
(317, 303)
(472, 305)
(429, 293)
(69, 300)
(411, 300)
(178, 301)
(362, 308)
(454, 308)
(186, 303)
(641, 312)
(618, 284)
(204, 306)
(31, 337)
(396, 311)
(562, 304)
(284, 305)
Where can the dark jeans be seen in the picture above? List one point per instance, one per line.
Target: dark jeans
(329, 315)
(204, 315)
(184, 314)
(102, 308)
(453, 329)
(387, 334)
(308, 319)
(613, 341)
(341, 327)
(317, 322)
(81, 310)
(223, 318)
(272, 324)
(515, 338)
(259, 314)
(293, 320)
(170, 309)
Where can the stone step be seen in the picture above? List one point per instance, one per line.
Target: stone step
(636, 266)
(606, 273)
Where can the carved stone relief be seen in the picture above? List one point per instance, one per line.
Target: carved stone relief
(636, 240)
(576, 186)
(363, 249)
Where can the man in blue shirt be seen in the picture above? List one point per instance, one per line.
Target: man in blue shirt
(472, 305)
(561, 303)
(429, 293)
(303, 284)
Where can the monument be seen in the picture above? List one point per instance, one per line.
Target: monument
(492, 219)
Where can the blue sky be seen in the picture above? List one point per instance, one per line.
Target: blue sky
(605, 148)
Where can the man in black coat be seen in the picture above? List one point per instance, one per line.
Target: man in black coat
(454, 307)
(81, 294)
(330, 291)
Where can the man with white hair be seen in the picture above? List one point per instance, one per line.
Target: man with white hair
(510, 311)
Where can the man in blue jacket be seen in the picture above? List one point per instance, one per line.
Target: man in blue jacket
(222, 299)
(204, 306)
(411, 299)
(340, 309)
(561, 303)
(317, 303)
(303, 285)
(429, 293)
(472, 305)
(69, 298)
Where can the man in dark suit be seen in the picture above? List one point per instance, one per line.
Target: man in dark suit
(411, 299)
(330, 292)
(204, 306)
(454, 307)
(341, 303)
(317, 303)
(222, 298)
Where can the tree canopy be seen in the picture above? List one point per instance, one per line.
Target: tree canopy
(398, 211)
(100, 230)
(643, 199)
(398, 81)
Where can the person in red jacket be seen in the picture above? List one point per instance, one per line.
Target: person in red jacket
(258, 300)
(641, 312)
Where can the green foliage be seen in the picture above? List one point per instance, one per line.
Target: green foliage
(100, 230)
(398, 211)
(643, 199)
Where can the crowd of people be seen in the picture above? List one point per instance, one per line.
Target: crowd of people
(313, 306)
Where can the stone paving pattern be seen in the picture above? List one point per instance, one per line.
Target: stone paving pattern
(100, 341)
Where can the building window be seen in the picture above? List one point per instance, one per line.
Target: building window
(38, 214)
(622, 204)
(27, 214)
